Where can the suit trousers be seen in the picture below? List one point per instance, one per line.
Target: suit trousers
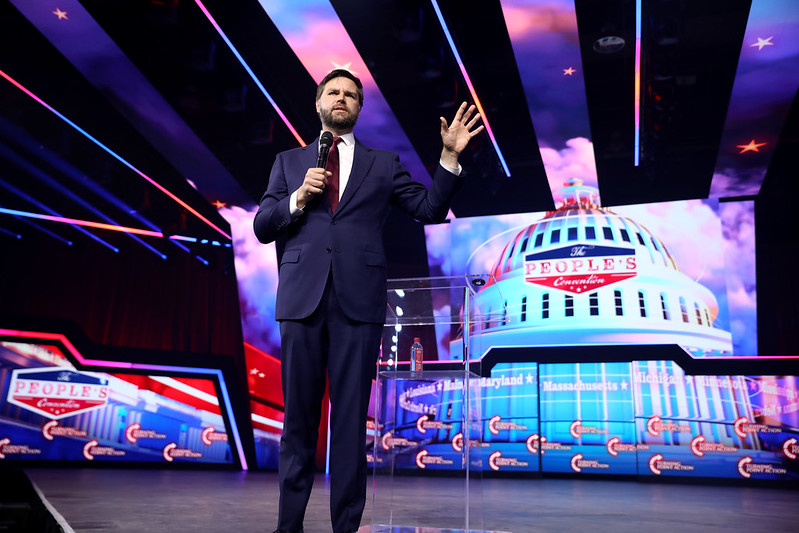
(326, 341)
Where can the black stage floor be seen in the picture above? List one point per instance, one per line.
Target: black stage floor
(136, 501)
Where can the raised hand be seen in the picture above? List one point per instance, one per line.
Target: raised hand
(456, 136)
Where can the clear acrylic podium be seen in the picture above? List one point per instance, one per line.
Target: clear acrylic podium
(428, 431)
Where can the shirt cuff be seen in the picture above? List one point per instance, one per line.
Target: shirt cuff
(293, 209)
(454, 170)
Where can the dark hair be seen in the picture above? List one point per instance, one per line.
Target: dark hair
(341, 73)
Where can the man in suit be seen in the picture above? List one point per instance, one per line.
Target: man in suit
(331, 296)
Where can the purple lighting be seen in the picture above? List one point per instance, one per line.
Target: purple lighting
(471, 87)
(77, 222)
(114, 154)
(637, 119)
(250, 72)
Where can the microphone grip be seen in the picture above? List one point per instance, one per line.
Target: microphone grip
(321, 160)
(325, 142)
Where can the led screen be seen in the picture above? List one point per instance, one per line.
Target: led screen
(672, 273)
(645, 418)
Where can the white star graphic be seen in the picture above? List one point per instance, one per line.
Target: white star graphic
(763, 42)
(346, 66)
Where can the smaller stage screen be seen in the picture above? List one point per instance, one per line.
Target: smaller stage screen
(669, 273)
(50, 411)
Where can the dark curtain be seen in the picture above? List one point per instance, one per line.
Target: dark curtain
(132, 298)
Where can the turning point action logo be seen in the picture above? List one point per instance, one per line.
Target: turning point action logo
(7, 448)
(51, 430)
(578, 462)
(423, 423)
(653, 464)
(658, 463)
(533, 443)
(655, 425)
(457, 442)
(697, 445)
(388, 441)
(537, 442)
(790, 448)
(496, 462)
(495, 425)
(210, 436)
(134, 432)
(577, 429)
(93, 449)
(615, 445)
(743, 427)
(423, 458)
(700, 446)
(172, 452)
(747, 467)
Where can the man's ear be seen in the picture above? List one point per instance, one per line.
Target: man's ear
(317, 107)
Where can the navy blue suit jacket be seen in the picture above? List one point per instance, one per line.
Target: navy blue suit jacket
(350, 241)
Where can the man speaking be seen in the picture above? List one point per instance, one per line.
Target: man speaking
(327, 224)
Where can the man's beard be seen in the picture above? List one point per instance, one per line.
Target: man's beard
(338, 122)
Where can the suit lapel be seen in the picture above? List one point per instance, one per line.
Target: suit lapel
(309, 157)
(361, 163)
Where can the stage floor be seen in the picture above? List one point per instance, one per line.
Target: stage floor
(136, 501)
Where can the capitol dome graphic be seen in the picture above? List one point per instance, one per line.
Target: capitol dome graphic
(583, 275)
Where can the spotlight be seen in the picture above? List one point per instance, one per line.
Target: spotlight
(609, 44)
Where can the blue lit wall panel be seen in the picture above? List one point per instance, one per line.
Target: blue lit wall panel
(511, 391)
(613, 457)
(586, 391)
(510, 457)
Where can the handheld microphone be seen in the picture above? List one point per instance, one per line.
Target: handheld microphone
(325, 142)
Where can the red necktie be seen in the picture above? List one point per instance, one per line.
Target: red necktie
(332, 166)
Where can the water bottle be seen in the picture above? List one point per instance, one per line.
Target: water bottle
(417, 355)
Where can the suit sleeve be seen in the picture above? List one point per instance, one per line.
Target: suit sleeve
(429, 206)
(274, 212)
